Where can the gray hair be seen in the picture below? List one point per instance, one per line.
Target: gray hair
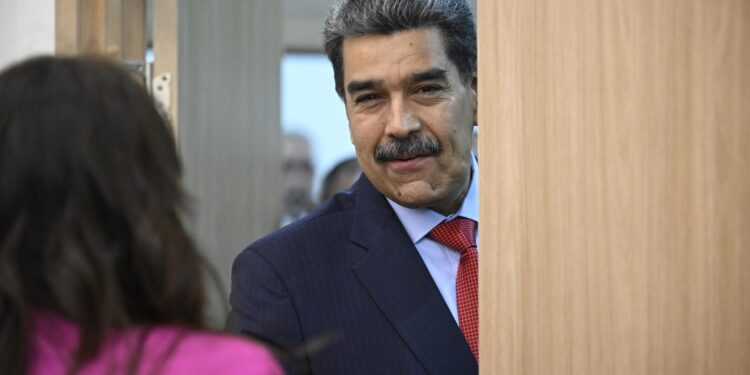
(351, 18)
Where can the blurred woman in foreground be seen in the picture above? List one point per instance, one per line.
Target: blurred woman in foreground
(97, 273)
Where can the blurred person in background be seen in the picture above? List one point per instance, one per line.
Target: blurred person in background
(297, 178)
(97, 272)
(341, 177)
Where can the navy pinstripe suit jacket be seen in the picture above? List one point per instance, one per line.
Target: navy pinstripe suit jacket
(348, 272)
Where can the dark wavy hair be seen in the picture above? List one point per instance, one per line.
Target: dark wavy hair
(90, 208)
(353, 18)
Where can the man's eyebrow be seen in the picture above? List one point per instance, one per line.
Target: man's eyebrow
(434, 74)
(355, 86)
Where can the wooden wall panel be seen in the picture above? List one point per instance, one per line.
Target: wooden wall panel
(92, 26)
(615, 186)
(165, 37)
(114, 23)
(133, 32)
(66, 27)
(113, 28)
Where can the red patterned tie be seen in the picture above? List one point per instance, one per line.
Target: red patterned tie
(458, 234)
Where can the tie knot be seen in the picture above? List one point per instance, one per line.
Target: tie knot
(457, 234)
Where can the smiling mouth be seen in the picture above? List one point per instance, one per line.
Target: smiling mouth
(407, 163)
(407, 157)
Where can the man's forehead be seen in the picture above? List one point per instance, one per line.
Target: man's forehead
(409, 51)
(422, 37)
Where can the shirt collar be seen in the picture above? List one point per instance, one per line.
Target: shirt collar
(418, 222)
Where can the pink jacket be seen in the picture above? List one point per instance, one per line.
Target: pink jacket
(193, 352)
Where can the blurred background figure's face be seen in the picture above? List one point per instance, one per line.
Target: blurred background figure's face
(298, 177)
(341, 177)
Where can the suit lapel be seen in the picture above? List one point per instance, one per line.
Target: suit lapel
(400, 284)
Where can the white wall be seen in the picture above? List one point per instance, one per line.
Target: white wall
(27, 28)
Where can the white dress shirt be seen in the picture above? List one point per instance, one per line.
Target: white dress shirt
(441, 261)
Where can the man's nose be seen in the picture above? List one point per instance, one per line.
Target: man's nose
(401, 120)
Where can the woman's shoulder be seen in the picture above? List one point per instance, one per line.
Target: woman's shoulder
(204, 352)
(158, 349)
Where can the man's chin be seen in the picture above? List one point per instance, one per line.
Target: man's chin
(423, 194)
(415, 196)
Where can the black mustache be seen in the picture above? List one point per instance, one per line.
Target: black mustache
(414, 145)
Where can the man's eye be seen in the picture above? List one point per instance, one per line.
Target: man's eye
(365, 98)
(429, 89)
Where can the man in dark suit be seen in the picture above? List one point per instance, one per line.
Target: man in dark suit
(383, 276)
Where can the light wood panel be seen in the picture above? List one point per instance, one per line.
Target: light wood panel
(615, 189)
(92, 26)
(66, 27)
(165, 37)
(113, 28)
(133, 31)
